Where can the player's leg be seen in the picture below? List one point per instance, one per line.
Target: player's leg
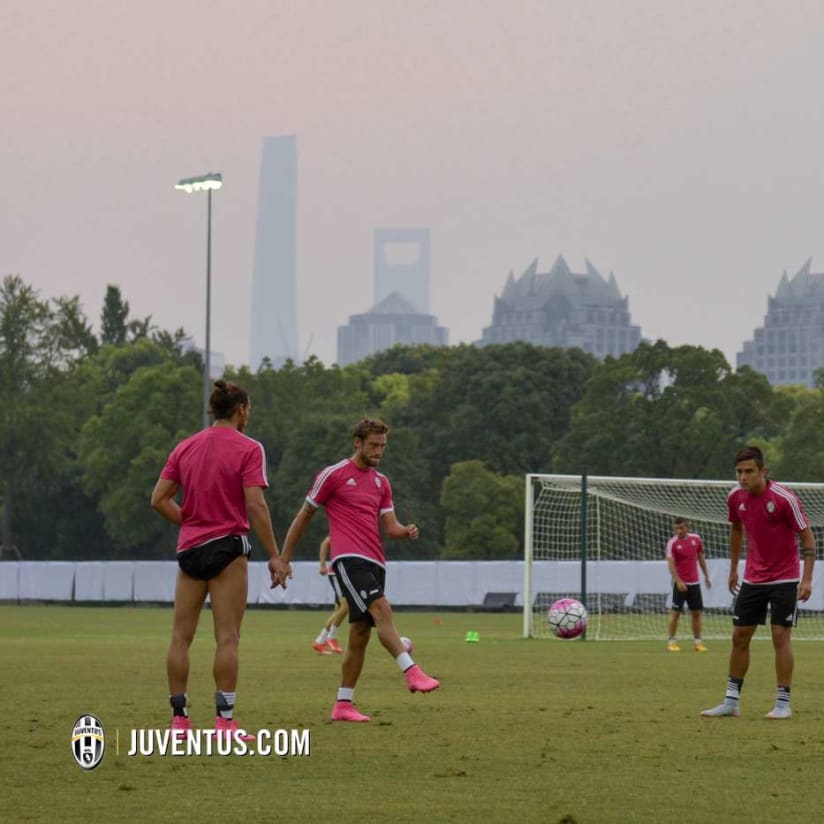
(335, 620)
(190, 593)
(678, 599)
(783, 611)
(351, 572)
(416, 679)
(784, 664)
(319, 645)
(696, 631)
(390, 638)
(672, 629)
(327, 641)
(739, 664)
(740, 652)
(359, 633)
(228, 591)
(695, 602)
(750, 609)
(339, 614)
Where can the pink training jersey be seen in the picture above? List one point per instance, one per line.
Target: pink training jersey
(771, 521)
(684, 552)
(214, 467)
(354, 500)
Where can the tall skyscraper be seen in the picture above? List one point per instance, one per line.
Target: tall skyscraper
(274, 331)
(789, 347)
(401, 265)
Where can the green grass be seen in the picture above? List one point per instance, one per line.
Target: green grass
(542, 731)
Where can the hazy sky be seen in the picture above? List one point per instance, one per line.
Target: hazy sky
(678, 144)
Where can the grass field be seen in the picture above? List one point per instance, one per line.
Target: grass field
(524, 731)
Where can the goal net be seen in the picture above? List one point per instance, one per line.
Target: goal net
(606, 548)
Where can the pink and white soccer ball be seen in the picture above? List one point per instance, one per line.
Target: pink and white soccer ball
(567, 618)
(407, 643)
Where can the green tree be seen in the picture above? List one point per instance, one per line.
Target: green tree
(483, 513)
(798, 454)
(114, 317)
(123, 448)
(664, 412)
(40, 344)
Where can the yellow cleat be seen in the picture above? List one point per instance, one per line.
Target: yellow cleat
(699, 647)
(672, 646)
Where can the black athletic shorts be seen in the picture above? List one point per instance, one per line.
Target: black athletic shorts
(362, 583)
(333, 582)
(208, 560)
(692, 597)
(751, 604)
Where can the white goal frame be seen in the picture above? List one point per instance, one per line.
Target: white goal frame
(624, 580)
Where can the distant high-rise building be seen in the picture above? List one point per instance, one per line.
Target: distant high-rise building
(394, 320)
(401, 264)
(789, 347)
(560, 308)
(217, 360)
(274, 332)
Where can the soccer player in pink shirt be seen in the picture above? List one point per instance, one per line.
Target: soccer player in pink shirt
(222, 473)
(773, 518)
(358, 502)
(684, 553)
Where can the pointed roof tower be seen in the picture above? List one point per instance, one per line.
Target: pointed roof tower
(527, 281)
(593, 272)
(783, 286)
(560, 267)
(510, 289)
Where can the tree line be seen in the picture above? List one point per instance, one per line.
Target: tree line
(88, 419)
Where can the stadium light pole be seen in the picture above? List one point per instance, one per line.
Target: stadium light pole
(205, 183)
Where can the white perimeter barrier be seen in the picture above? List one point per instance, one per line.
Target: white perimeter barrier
(409, 583)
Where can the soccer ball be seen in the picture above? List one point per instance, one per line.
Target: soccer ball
(407, 643)
(567, 618)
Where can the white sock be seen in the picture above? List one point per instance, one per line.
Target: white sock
(321, 639)
(346, 693)
(333, 632)
(405, 661)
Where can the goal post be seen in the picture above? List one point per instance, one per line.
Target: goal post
(621, 527)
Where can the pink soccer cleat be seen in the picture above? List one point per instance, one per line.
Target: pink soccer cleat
(181, 726)
(418, 681)
(333, 644)
(345, 711)
(321, 649)
(228, 726)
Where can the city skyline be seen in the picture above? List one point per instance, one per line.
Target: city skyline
(677, 145)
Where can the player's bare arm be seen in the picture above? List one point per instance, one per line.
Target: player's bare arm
(703, 564)
(324, 554)
(682, 587)
(395, 529)
(296, 530)
(261, 521)
(163, 500)
(805, 587)
(736, 538)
